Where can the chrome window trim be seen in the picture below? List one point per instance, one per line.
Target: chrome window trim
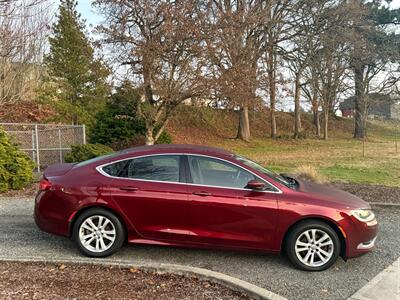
(100, 170)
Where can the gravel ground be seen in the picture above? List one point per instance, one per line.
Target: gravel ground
(20, 238)
(372, 193)
(47, 281)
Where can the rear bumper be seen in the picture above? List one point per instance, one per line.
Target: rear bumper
(49, 215)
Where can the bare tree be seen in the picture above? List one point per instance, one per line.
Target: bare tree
(279, 29)
(302, 46)
(329, 61)
(159, 41)
(234, 38)
(23, 40)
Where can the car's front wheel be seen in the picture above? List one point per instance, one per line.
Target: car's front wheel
(98, 233)
(313, 246)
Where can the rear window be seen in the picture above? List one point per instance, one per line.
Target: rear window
(96, 159)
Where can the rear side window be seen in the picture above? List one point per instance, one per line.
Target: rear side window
(116, 169)
(158, 168)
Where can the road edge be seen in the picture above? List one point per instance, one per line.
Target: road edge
(384, 204)
(230, 282)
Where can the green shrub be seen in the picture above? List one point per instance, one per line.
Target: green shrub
(16, 168)
(118, 122)
(118, 125)
(84, 152)
(165, 138)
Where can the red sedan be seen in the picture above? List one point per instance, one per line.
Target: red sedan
(184, 195)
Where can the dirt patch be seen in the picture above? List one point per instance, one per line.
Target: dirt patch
(372, 193)
(27, 192)
(48, 281)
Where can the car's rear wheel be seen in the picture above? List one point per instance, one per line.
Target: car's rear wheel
(98, 233)
(313, 246)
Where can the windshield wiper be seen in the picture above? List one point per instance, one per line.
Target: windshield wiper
(292, 183)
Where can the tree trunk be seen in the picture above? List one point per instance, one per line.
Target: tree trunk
(316, 122)
(149, 135)
(360, 105)
(244, 124)
(271, 63)
(326, 120)
(272, 92)
(297, 112)
(157, 134)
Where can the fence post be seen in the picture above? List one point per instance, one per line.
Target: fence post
(33, 146)
(37, 148)
(84, 133)
(60, 145)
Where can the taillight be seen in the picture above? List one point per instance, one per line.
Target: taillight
(44, 184)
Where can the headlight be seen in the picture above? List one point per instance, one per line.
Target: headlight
(363, 215)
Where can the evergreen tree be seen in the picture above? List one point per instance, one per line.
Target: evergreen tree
(118, 122)
(78, 79)
(374, 49)
(118, 125)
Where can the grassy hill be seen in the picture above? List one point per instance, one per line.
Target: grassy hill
(338, 159)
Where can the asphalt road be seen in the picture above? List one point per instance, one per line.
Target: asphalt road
(19, 237)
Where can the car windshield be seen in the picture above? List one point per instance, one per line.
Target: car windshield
(261, 169)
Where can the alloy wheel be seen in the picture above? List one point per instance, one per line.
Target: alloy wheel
(97, 233)
(314, 247)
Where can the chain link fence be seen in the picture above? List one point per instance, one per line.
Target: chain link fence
(46, 144)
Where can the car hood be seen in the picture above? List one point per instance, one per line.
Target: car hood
(325, 192)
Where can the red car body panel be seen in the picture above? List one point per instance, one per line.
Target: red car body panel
(186, 214)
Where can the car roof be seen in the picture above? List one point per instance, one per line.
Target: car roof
(178, 148)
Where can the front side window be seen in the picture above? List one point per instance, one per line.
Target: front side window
(261, 169)
(158, 168)
(215, 172)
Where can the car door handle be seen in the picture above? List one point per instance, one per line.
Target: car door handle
(203, 194)
(129, 188)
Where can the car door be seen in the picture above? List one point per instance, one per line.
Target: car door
(223, 212)
(152, 194)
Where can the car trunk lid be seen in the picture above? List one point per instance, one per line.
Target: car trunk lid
(58, 169)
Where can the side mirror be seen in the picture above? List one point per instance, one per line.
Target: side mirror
(255, 185)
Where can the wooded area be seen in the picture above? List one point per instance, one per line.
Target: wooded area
(245, 55)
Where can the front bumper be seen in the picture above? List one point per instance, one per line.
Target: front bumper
(360, 237)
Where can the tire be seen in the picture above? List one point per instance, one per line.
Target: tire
(103, 241)
(312, 254)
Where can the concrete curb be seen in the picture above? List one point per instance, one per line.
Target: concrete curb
(161, 268)
(385, 285)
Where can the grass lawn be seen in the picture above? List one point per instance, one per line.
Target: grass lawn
(338, 159)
